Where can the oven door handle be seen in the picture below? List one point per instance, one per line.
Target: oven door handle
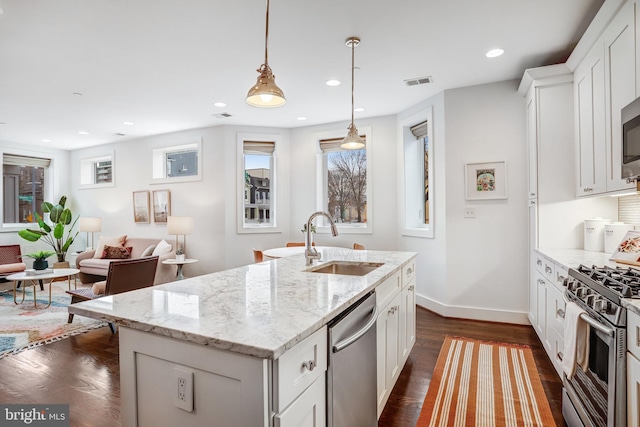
(598, 326)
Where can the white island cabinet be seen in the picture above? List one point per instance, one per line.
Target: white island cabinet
(248, 346)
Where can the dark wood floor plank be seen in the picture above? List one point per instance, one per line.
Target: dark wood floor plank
(83, 371)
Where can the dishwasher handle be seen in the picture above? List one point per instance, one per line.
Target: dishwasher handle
(355, 337)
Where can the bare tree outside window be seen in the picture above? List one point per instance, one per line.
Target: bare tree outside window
(347, 186)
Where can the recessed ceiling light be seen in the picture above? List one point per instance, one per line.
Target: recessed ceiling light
(494, 53)
(358, 109)
(83, 132)
(127, 123)
(3, 123)
(46, 140)
(301, 118)
(333, 82)
(77, 94)
(219, 104)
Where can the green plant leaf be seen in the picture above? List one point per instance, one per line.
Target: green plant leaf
(31, 235)
(58, 232)
(63, 201)
(56, 213)
(65, 217)
(46, 207)
(42, 224)
(68, 243)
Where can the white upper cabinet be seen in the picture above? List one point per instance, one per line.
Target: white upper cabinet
(620, 87)
(589, 98)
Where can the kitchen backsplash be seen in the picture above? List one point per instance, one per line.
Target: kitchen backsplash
(629, 210)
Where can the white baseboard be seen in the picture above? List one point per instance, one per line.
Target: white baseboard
(474, 313)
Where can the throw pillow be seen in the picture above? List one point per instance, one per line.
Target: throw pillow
(162, 248)
(148, 251)
(116, 252)
(111, 241)
(99, 288)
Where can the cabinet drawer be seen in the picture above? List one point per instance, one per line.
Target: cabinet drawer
(556, 307)
(539, 261)
(556, 349)
(388, 290)
(549, 270)
(298, 368)
(309, 408)
(633, 333)
(409, 272)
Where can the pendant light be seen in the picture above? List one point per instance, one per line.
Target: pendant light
(352, 141)
(265, 93)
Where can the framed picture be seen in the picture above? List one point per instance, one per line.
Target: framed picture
(628, 250)
(161, 205)
(485, 181)
(141, 206)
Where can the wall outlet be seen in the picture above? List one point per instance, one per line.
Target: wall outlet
(182, 388)
(469, 211)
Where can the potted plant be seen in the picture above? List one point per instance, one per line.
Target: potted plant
(58, 234)
(179, 254)
(40, 259)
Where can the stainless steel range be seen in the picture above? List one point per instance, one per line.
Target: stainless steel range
(597, 397)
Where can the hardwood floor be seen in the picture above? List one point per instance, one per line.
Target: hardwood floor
(83, 370)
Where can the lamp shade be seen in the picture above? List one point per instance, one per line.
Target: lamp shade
(90, 224)
(179, 225)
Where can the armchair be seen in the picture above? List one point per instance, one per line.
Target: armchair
(123, 276)
(11, 261)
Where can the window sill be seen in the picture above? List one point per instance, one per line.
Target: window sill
(345, 229)
(425, 233)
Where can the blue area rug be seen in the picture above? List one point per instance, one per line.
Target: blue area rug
(23, 326)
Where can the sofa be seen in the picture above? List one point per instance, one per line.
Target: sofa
(94, 269)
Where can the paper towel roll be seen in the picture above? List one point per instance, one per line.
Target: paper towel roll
(613, 235)
(594, 234)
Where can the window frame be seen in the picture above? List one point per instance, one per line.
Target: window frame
(409, 143)
(47, 190)
(274, 197)
(87, 168)
(322, 225)
(159, 164)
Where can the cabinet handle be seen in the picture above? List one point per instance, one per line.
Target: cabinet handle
(310, 365)
(409, 270)
(532, 194)
(560, 313)
(540, 282)
(411, 287)
(560, 355)
(587, 189)
(547, 269)
(561, 278)
(539, 262)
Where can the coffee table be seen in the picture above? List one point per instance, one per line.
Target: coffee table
(38, 280)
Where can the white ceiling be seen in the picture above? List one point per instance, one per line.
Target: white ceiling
(162, 64)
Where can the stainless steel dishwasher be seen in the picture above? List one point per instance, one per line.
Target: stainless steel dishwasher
(351, 374)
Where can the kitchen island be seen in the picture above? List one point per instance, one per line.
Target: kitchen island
(219, 346)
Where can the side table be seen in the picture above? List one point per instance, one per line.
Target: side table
(180, 264)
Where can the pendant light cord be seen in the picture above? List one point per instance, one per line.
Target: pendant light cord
(266, 38)
(353, 47)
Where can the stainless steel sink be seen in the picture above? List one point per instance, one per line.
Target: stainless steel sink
(346, 268)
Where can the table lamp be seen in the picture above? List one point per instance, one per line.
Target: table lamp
(180, 226)
(90, 225)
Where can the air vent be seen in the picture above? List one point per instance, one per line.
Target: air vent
(222, 115)
(418, 81)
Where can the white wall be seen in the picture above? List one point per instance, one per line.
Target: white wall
(211, 201)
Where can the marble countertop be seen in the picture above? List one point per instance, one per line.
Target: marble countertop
(259, 310)
(572, 258)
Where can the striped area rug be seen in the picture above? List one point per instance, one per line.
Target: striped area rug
(485, 384)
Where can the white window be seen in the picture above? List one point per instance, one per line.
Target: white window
(344, 180)
(257, 183)
(97, 172)
(177, 163)
(24, 182)
(417, 145)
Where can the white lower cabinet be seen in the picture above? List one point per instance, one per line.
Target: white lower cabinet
(633, 369)
(388, 343)
(395, 329)
(547, 306)
(308, 410)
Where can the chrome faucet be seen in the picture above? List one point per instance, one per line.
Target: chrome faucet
(310, 252)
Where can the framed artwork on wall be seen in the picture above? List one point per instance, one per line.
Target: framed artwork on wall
(141, 207)
(485, 181)
(161, 205)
